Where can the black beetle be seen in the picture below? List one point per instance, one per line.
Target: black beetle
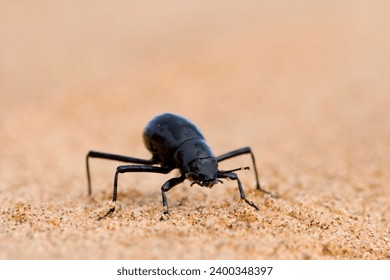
(175, 142)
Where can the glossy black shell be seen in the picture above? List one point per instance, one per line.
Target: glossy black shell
(174, 141)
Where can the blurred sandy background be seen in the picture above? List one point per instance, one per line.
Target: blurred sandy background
(306, 84)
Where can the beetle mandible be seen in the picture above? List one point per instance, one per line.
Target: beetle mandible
(176, 143)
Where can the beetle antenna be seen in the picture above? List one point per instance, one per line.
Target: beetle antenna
(233, 170)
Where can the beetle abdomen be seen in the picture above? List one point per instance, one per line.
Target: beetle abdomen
(165, 133)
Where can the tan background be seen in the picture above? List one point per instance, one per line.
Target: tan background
(305, 85)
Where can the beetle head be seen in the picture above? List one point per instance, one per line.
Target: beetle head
(203, 172)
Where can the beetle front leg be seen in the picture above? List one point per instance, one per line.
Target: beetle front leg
(166, 187)
(234, 176)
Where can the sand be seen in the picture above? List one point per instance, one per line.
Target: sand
(305, 85)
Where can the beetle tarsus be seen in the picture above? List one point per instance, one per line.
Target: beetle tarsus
(252, 204)
(273, 195)
(109, 212)
(165, 215)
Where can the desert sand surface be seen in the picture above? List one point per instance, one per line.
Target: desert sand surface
(305, 84)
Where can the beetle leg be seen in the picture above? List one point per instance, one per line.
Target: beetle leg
(110, 211)
(136, 168)
(241, 151)
(166, 187)
(234, 176)
(238, 152)
(132, 168)
(94, 154)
